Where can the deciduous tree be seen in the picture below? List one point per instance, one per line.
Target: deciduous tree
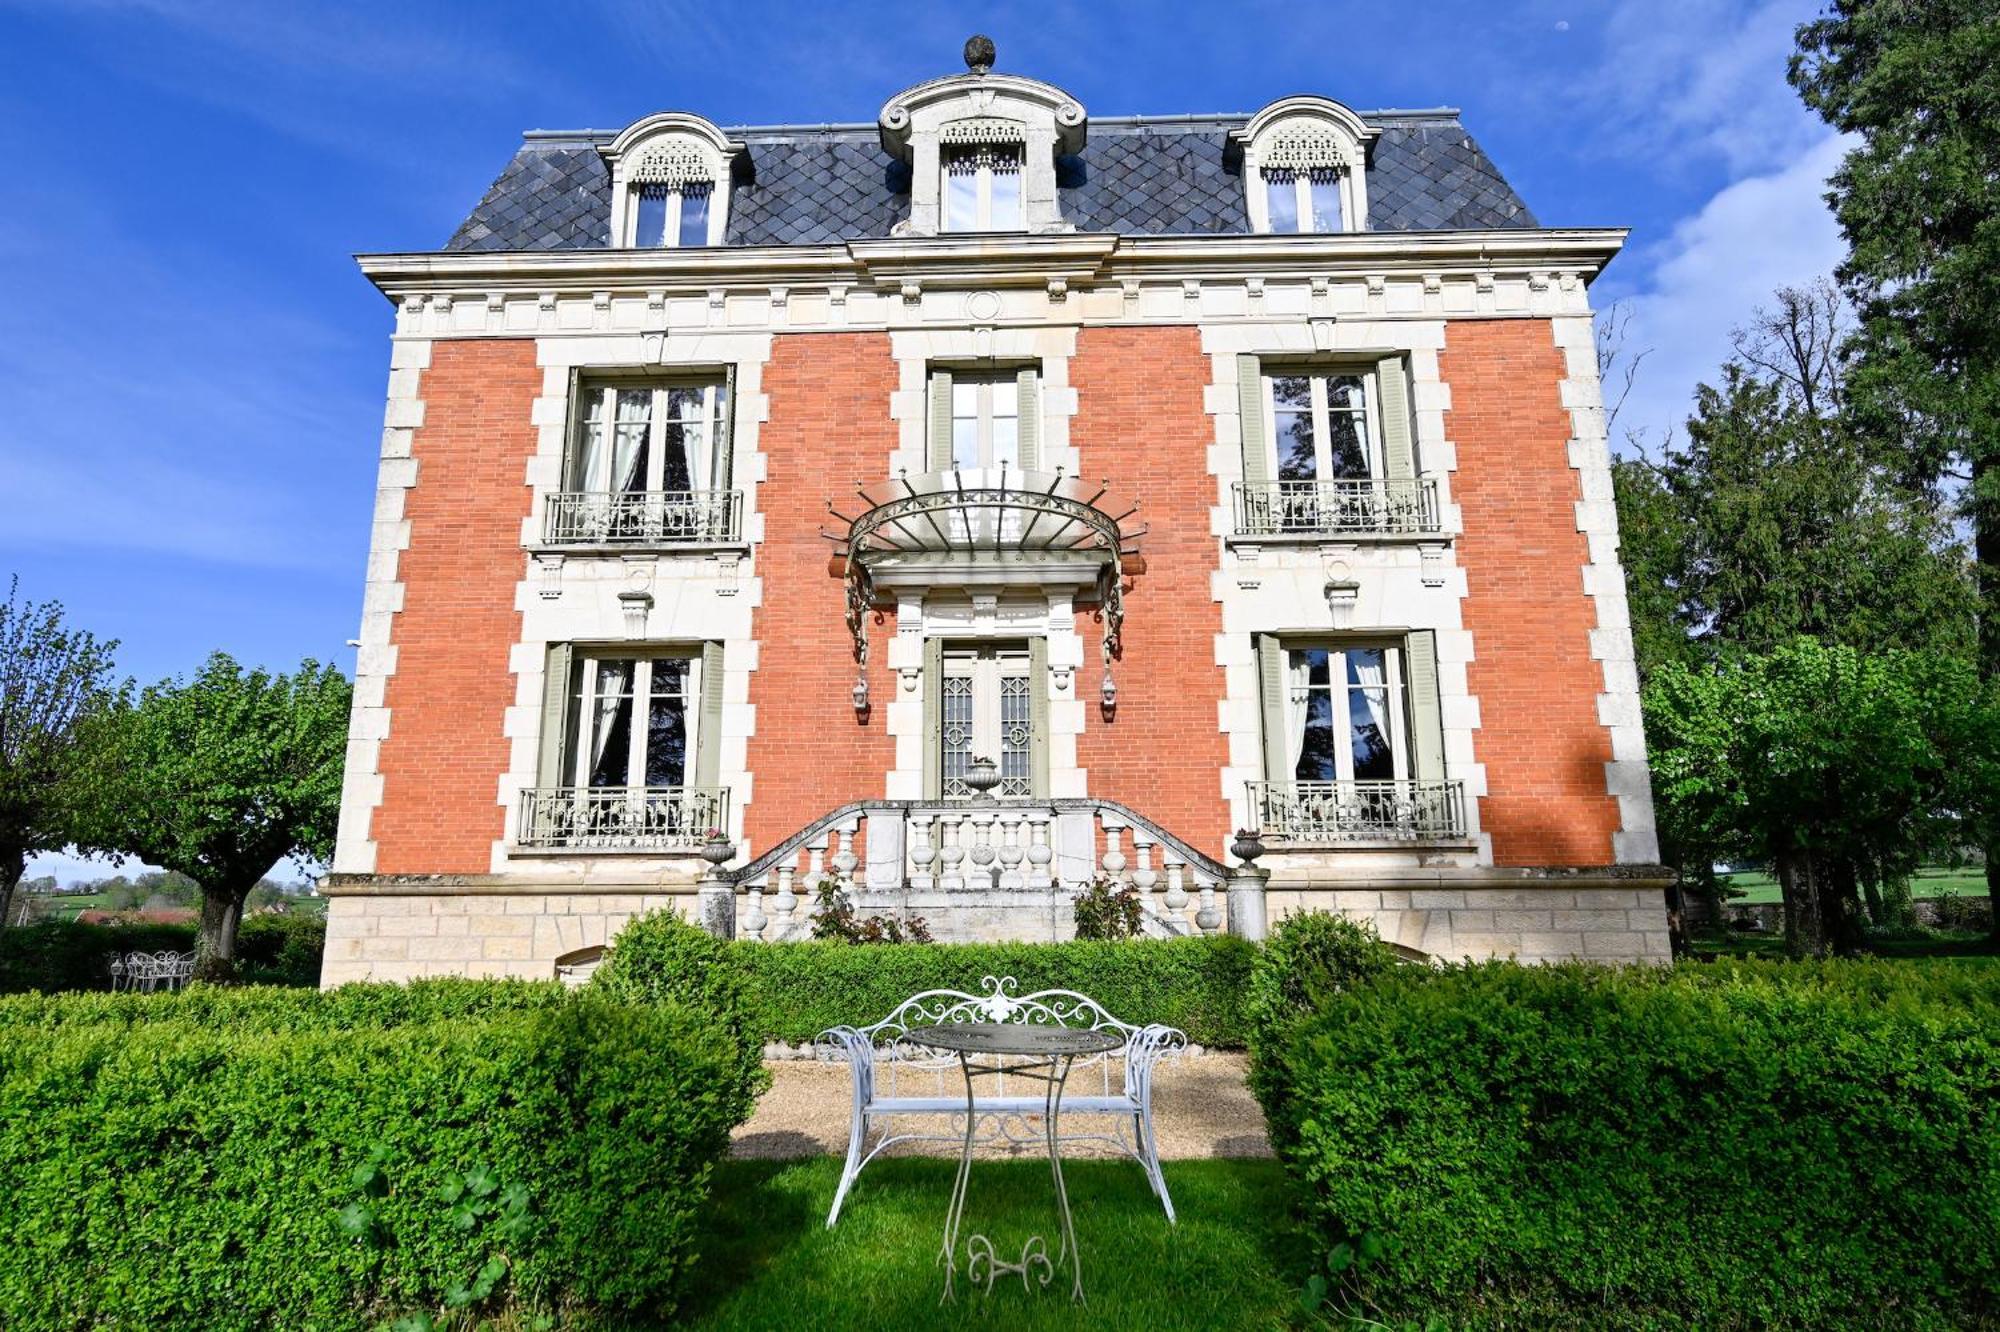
(1918, 201)
(220, 777)
(52, 678)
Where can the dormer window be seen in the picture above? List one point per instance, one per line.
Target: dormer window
(1306, 201)
(982, 148)
(672, 215)
(670, 183)
(1305, 167)
(982, 187)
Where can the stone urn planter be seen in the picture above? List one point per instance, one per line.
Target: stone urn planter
(1249, 845)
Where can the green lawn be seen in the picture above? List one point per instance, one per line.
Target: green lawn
(1958, 946)
(768, 1260)
(1757, 887)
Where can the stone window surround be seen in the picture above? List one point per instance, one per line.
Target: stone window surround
(669, 148)
(918, 123)
(1303, 134)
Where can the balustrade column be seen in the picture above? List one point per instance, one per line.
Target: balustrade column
(1041, 856)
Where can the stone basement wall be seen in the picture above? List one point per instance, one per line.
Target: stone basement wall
(394, 937)
(1528, 924)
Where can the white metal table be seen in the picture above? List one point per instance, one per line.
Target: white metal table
(1044, 1054)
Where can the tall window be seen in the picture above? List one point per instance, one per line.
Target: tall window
(648, 438)
(1323, 425)
(982, 188)
(631, 721)
(1303, 201)
(1344, 714)
(672, 215)
(985, 421)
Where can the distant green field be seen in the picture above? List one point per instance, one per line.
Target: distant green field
(1758, 887)
(67, 907)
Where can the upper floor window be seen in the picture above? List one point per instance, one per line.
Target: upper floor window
(670, 182)
(631, 721)
(983, 418)
(982, 187)
(647, 463)
(1305, 167)
(640, 438)
(1322, 424)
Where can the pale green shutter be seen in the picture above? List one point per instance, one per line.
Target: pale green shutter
(708, 729)
(725, 444)
(1029, 425)
(933, 687)
(1271, 689)
(938, 446)
(573, 433)
(1038, 718)
(1250, 408)
(1426, 717)
(555, 706)
(1399, 455)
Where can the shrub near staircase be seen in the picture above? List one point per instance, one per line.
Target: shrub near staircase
(251, 1159)
(1774, 1145)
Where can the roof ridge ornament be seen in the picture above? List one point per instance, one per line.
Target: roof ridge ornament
(979, 53)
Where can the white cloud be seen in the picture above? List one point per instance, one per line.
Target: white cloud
(1704, 76)
(1713, 270)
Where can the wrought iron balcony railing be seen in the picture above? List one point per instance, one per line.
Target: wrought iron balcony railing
(1324, 813)
(621, 818)
(642, 518)
(1314, 508)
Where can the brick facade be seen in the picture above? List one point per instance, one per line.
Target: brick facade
(1141, 421)
(829, 428)
(447, 699)
(1540, 737)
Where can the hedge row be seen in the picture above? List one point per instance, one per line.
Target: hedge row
(238, 1160)
(284, 1009)
(58, 955)
(1196, 984)
(1767, 1145)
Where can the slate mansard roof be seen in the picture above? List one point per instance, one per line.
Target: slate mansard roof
(813, 185)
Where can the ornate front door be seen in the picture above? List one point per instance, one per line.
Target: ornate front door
(987, 713)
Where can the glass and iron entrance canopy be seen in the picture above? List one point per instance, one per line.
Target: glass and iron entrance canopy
(987, 531)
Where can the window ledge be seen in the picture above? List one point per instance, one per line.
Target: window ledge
(1465, 843)
(517, 852)
(638, 548)
(1339, 538)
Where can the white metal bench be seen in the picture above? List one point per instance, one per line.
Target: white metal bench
(882, 1059)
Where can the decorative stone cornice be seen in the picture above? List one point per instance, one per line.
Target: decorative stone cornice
(1078, 258)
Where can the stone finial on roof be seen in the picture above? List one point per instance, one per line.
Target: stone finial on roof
(979, 53)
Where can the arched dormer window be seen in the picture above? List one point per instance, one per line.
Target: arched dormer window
(1305, 167)
(670, 182)
(982, 149)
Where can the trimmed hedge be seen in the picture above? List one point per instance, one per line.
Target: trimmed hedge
(60, 955)
(274, 1008)
(253, 1159)
(1773, 1145)
(1196, 984)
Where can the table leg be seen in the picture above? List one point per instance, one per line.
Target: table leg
(956, 1212)
(1052, 1111)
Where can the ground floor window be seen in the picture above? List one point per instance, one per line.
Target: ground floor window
(631, 720)
(1344, 715)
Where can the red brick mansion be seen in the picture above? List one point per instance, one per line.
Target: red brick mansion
(981, 500)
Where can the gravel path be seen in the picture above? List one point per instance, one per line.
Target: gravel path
(1200, 1109)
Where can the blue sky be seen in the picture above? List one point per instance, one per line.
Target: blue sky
(191, 369)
